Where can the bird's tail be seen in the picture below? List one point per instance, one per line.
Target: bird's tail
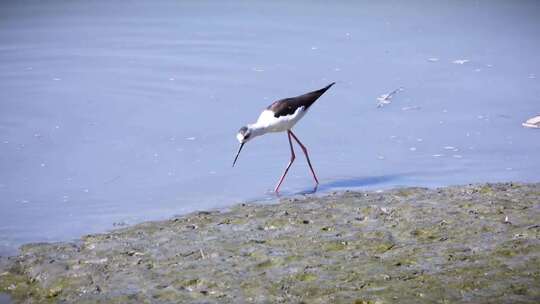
(327, 87)
(319, 92)
(311, 97)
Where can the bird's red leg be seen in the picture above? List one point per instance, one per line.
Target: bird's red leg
(307, 156)
(289, 165)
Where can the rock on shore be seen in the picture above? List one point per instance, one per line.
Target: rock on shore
(476, 243)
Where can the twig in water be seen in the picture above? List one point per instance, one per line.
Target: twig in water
(532, 122)
(386, 98)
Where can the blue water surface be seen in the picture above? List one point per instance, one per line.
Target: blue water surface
(116, 112)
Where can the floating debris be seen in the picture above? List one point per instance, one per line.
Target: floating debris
(433, 59)
(411, 108)
(460, 61)
(387, 98)
(412, 149)
(202, 254)
(532, 122)
(437, 155)
(191, 138)
(449, 148)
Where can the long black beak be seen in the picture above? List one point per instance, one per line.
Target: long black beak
(241, 146)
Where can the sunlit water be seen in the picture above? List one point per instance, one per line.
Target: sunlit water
(115, 112)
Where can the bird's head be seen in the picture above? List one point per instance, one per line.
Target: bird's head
(244, 135)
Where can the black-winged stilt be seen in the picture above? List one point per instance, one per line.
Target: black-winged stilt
(281, 116)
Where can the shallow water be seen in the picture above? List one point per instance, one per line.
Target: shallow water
(117, 112)
(5, 299)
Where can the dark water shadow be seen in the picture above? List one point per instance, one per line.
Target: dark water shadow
(354, 182)
(339, 184)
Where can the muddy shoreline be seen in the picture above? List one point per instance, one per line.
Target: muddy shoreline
(475, 243)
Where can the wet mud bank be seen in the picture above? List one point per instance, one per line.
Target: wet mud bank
(475, 243)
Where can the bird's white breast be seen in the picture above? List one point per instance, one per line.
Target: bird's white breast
(271, 123)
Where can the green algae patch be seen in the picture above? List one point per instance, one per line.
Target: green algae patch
(265, 264)
(21, 288)
(305, 277)
(406, 192)
(276, 223)
(463, 244)
(166, 295)
(426, 234)
(188, 282)
(486, 189)
(334, 246)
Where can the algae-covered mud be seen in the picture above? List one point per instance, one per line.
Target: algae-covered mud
(475, 244)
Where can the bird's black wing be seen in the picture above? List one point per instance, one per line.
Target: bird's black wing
(288, 106)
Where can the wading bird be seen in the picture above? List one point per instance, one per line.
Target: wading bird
(281, 116)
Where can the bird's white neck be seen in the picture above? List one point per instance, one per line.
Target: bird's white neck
(258, 129)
